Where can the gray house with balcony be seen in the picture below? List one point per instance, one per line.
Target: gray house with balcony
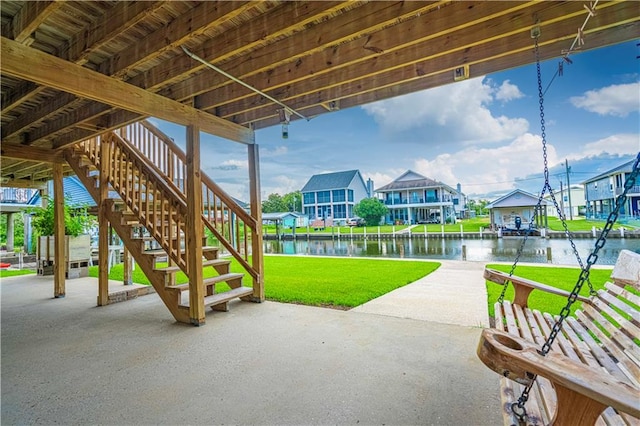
(601, 192)
(333, 195)
(413, 198)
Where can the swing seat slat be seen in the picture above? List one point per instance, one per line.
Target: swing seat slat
(592, 373)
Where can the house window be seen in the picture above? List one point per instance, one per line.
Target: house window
(456, 201)
(350, 195)
(339, 211)
(324, 212)
(310, 212)
(350, 209)
(309, 197)
(338, 195)
(324, 197)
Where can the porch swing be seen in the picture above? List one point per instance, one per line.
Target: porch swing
(569, 371)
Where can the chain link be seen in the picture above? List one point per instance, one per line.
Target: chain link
(518, 407)
(547, 186)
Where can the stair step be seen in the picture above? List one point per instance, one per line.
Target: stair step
(220, 298)
(161, 252)
(207, 282)
(212, 262)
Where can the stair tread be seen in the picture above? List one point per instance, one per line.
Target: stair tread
(208, 281)
(161, 252)
(212, 262)
(218, 298)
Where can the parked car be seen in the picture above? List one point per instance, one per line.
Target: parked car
(356, 221)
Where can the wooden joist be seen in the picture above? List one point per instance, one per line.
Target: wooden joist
(36, 66)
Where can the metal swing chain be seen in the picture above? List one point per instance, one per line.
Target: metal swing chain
(546, 186)
(518, 408)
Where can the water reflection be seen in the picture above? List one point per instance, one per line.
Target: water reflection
(488, 250)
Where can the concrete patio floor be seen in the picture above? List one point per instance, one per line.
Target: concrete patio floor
(66, 361)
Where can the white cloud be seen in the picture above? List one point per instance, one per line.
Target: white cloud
(234, 164)
(617, 100)
(282, 184)
(381, 179)
(483, 170)
(508, 92)
(276, 152)
(621, 144)
(460, 110)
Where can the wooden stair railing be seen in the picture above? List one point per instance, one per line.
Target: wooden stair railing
(146, 194)
(152, 204)
(231, 225)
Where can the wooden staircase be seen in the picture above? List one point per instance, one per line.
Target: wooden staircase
(147, 170)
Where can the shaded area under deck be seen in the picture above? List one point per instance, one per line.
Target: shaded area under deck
(67, 361)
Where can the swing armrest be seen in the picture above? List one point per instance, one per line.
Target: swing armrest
(576, 384)
(524, 286)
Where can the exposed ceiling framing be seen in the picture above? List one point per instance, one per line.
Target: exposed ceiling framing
(73, 69)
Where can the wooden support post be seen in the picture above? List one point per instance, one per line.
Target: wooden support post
(193, 227)
(59, 266)
(127, 267)
(256, 212)
(103, 226)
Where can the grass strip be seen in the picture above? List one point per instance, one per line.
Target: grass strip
(331, 282)
(4, 273)
(560, 277)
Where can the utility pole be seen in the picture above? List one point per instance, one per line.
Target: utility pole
(566, 163)
(562, 215)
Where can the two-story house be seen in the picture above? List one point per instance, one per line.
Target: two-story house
(413, 198)
(333, 195)
(601, 192)
(571, 203)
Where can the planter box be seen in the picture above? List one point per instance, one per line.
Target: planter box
(77, 255)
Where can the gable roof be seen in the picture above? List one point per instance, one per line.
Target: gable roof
(411, 180)
(326, 181)
(279, 216)
(622, 168)
(516, 198)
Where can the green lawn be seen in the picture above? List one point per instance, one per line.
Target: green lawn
(468, 225)
(15, 272)
(342, 283)
(564, 278)
(579, 224)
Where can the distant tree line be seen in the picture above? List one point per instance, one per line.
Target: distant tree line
(276, 203)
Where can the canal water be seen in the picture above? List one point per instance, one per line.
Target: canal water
(489, 250)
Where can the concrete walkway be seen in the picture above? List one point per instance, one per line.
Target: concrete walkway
(66, 361)
(454, 294)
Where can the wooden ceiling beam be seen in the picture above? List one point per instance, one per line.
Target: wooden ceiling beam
(30, 153)
(25, 183)
(201, 18)
(350, 25)
(205, 16)
(413, 62)
(429, 26)
(112, 120)
(121, 17)
(30, 16)
(66, 121)
(41, 112)
(500, 62)
(17, 96)
(41, 68)
(276, 22)
(26, 169)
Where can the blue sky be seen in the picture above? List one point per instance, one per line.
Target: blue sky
(483, 133)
